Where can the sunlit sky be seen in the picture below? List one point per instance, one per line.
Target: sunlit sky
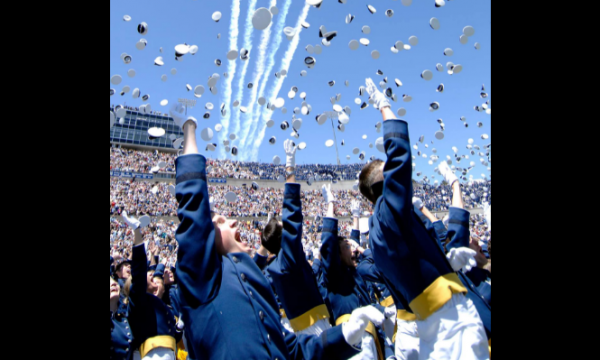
(189, 21)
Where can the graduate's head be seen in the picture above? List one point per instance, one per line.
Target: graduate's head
(228, 237)
(124, 270)
(271, 236)
(159, 287)
(151, 286)
(346, 254)
(482, 261)
(115, 291)
(370, 181)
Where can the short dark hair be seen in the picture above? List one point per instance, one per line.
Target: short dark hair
(271, 236)
(370, 175)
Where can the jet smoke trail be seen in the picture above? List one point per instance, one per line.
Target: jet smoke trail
(231, 68)
(246, 119)
(248, 33)
(285, 64)
(251, 118)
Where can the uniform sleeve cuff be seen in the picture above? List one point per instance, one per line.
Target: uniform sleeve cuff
(190, 167)
(292, 190)
(395, 129)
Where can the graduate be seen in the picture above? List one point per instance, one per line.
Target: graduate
(293, 280)
(415, 267)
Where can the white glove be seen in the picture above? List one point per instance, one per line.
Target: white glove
(327, 195)
(177, 112)
(391, 312)
(418, 203)
(354, 244)
(379, 100)
(447, 173)
(133, 223)
(446, 221)
(270, 217)
(355, 328)
(462, 258)
(211, 201)
(316, 254)
(290, 153)
(355, 208)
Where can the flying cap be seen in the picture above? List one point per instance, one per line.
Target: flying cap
(231, 197)
(434, 23)
(329, 143)
(216, 16)
(469, 31)
(207, 134)
(427, 75)
(262, 19)
(143, 28)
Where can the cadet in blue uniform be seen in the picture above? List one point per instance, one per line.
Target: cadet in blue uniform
(121, 337)
(409, 257)
(405, 335)
(228, 307)
(459, 241)
(346, 290)
(153, 323)
(293, 279)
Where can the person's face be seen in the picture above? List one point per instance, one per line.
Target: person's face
(346, 254)
(160, 288)
(169, 277)
(480, 256)
(115, 291)
(228, 237)
(125, 272)
(151, 286)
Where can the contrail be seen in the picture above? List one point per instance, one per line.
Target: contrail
(285, 64)
(251, 118)
(231, 67)
(248, 32)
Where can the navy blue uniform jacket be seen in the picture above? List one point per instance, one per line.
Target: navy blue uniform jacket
(292, 275)
(403, 249)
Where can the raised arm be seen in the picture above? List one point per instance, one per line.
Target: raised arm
(330, 250)
(198, 265)
(139, 270)
(291, 241)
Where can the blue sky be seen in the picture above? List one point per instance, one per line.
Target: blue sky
(189, 21)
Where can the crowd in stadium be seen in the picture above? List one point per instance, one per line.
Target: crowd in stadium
(404, 285)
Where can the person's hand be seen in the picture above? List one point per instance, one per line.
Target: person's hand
(462, 258)
(327, 195)
(290, 153)
(133, 223)
(316, 254)
(355, 208)
(418, 203)
(390, 312)
(355, 328)
(378, 98)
